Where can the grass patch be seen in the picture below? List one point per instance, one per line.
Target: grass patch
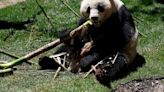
(149, 20)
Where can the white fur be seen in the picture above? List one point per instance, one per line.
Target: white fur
(118, 4)
(110, 6)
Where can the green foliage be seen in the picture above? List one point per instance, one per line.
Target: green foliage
(149, 20)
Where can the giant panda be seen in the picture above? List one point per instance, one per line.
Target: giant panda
(112, 34)
(113, 31)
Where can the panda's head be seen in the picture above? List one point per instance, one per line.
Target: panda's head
(98, 11)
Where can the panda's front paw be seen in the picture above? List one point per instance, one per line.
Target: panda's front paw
(86, 48)
(64, 34)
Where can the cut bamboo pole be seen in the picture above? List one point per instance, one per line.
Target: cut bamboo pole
(13, 56)
(59, 68)
(61, 65)
(31, 55)
(58, 60)
(93, 66)
(8, 54)
(44, 48)
(57, 72)
(6, 70)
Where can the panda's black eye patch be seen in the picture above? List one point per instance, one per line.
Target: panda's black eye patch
(88, 10)
(100, 8)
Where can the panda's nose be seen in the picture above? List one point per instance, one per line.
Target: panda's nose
(94, 18)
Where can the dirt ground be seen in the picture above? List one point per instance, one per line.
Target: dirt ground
(142, 85)
(6, 3)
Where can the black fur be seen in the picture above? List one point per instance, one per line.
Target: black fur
(47, 63)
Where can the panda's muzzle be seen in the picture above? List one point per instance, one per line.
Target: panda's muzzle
(94, 14)
(96, 22)
(94, 18)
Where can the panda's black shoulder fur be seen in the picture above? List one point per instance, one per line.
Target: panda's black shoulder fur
(126, 19)
(125, 15)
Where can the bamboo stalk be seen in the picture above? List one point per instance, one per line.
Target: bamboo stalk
(59, 68)
(94, 66)
(64, 2)
(13, 56)
(44, 48)
(45, 14)
(58, 60)
(31, 55)
(8, 54)
(57, 72)
(6, 70)
(61, 65)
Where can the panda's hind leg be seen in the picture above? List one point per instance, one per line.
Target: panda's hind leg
(88, 60)
(107, 71)
(138, 61)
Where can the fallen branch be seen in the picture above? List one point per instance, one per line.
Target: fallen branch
(44, 48)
